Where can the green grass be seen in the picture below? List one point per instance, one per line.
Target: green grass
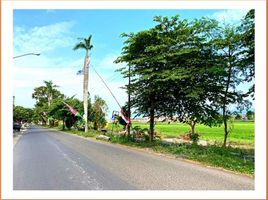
(242, 132)
(232, 158)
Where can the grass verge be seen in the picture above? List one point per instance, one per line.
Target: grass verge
(230, 158)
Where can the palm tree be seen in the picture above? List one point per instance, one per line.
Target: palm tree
(49, 91)
(85, 44)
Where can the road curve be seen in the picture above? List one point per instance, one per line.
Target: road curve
(51, 160)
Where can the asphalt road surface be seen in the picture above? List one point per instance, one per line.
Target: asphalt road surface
(52, 160)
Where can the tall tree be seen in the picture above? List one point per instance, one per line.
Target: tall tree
(190, 74)
(172, 70)
(99, 109)
(228, 46)
(187, 69)
(50, 89)
(44, 95)
(137, 54)
(86, 45)
(247, 64)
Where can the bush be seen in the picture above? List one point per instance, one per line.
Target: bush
(194, 137)
(139, 132)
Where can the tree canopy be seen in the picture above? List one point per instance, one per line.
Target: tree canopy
(188, 69)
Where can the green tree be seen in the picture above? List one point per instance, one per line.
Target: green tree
(191, 76)
(135, 54)
(44, 95)
(187, 69)
(59, 111)
(50, 90)
(99, 109)
(39, 114)
(250, 115)
(170, 65)
(86, 45)
(247, 61)
(22, 114)
(228, 46)
(238, 116)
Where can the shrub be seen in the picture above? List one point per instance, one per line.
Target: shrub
(194, 137)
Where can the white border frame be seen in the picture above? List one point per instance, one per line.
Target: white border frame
(260, 103)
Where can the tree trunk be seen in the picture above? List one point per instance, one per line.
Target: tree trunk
(49, 104)
(192, 124)
(225, 102)
(49, 99)
(225, 132)
(63, 124)
(151, 136)
(85, 91)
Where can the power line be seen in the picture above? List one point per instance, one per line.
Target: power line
(110, 79)
(107, 87)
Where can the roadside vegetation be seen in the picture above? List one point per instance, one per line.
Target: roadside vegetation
(186, 71)
(236, 159)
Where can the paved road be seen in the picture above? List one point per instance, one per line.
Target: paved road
(51, 160)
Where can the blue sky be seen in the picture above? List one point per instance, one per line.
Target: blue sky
(53, 33)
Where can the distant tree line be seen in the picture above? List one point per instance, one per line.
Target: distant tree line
(50, 108)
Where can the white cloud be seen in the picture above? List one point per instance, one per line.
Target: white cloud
(42, 38)
(31, 71)
(229, 16)
(27, 77)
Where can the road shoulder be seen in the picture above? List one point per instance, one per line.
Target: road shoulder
(150, 152)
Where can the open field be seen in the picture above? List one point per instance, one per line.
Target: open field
(242, 132)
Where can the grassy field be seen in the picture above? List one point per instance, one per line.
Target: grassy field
(242, 132)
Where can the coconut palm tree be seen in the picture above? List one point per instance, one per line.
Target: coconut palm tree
(50, 88)
(85, 44)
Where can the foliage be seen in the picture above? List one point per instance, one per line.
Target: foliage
(22, 114)
(194, 137)
(247, 63)
(163, 60)
(238, 116)
(44, 95)
(233, 64)
(85, 43)
(98, 110)
(59, 111)
(250, 115)
(138, 132)
(40, 114)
